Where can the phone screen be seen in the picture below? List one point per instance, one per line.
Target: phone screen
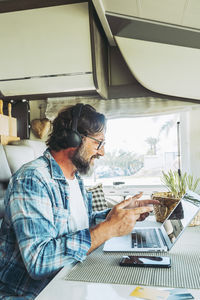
(146, 261)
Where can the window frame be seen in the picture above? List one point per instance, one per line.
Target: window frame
(123, 191)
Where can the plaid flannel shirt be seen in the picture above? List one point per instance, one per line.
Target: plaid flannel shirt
(36, 239)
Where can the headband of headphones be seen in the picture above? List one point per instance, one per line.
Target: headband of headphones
(74, 138)
(76, 112)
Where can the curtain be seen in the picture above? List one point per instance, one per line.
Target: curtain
(123, 107)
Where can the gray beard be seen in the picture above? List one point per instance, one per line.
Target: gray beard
(82, 165)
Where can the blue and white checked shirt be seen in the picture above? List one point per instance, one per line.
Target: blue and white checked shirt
(36, 239)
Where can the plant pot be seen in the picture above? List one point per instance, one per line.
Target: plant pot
(167, 204)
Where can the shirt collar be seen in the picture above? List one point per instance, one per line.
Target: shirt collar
(56, 171)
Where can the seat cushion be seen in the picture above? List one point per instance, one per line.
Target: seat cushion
(5, 172)
(38, 146)
(98, 198)
(18, 156)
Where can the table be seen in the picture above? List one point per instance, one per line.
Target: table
(61, 289)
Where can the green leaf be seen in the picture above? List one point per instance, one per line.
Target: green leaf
(177, 185)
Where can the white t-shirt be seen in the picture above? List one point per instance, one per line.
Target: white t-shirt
(79, 216)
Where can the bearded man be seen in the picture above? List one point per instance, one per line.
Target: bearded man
(49, 222)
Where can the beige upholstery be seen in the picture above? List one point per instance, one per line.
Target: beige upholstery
(18, 156)
(5, 172)
(12, 157)
(38, 147)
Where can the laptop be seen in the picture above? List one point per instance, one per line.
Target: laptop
(163, 238)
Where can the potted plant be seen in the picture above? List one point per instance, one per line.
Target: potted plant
(176, 186)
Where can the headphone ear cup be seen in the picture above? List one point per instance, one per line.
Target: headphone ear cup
(74, 139)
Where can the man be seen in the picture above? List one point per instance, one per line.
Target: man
(49, 221)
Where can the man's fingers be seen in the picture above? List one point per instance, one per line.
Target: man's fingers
(124, 203)
(149, 201)
(142, 210)
(139, 203)
(137, 195)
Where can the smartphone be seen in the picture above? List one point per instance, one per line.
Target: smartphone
(146, 261)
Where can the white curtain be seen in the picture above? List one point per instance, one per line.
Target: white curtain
(118, 108)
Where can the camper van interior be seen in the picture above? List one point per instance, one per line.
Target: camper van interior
(135, 61)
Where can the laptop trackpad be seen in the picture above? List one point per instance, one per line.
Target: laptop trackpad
(122, 243)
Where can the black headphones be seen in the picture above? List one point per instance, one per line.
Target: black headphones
(74, 138)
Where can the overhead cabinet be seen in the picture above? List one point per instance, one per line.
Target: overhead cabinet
(49, 51)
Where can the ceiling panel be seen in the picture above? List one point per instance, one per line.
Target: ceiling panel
(168, 11)
(157, 42)
(192, 14)
(125, 7)
(179, 12)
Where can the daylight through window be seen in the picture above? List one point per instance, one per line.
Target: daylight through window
(137, 150)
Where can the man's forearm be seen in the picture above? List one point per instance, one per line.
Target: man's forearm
(99, 234)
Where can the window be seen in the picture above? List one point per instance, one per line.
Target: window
(137, 150)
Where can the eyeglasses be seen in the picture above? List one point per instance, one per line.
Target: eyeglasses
(101, 143)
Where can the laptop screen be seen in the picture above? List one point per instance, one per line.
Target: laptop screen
(181, 216)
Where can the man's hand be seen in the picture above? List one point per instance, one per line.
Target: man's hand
(120, 221)
(122, 217)
(139, 203)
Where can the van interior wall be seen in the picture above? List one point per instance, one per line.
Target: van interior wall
(194, 142)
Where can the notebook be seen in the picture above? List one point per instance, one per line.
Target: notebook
(163, 238)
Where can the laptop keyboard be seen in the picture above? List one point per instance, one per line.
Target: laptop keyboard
(145, 239)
